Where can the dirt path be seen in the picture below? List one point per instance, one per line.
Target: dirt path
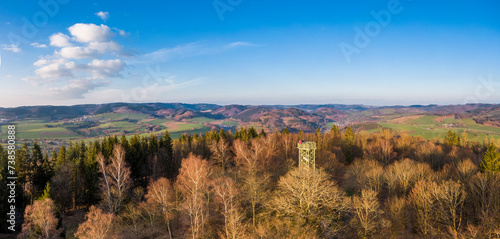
(405, 118)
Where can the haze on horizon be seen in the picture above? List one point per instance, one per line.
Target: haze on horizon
(382, 52)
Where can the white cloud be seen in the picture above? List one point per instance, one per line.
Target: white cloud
(240, 44)
(54, 69)
(190, 50)
(82, 32)
(75, 89)
(12, 48)
(103, 15)
(102, 69)
(59, 40)
(104, 47)
(38, 45)
(167, 53)
(76, 52)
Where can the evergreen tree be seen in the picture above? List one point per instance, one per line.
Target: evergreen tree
(90, 173)
(262, 133)
(61, 157)
(252, 133)
(40, 165)
(46, 192)
(491, 160)
(452, 138)
(348, 146)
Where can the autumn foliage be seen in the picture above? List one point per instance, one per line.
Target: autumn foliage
(248, 185)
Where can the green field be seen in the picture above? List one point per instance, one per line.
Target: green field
(230, 123)
(329, 125)
(122, 116)
(428, 129)
(41, 131)
(425, 120)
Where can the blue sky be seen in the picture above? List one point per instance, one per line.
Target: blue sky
(249, 52)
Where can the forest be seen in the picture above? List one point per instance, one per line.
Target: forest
(247, 184)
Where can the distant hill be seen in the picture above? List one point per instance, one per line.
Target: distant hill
(131, 118)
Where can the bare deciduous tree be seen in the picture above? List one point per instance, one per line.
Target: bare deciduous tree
(193, 181)
(98, 225)
(252, 163)
(160, 193)
(221, 153)
(40, 215)
(423, 204)
(402, 175)
(449, 198)
(228, 194)
(365, 174)
(308, 197)
(367, 214)
(115, 179)
(397, 210)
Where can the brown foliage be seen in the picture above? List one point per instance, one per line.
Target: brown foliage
(228, 195)
(193, 183)
(367, 214)
(402, 175)
(221, 153)
(98, 225)
(308, 197)
(40, 216)
(253, 163)
(423, 203)
(115, 179)
(365, 174)
(160, 194)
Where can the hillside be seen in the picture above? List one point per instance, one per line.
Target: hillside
(61, 123)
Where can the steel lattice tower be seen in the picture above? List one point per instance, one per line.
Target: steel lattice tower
(307, 154)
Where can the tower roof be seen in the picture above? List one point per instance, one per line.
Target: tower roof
(306, 145)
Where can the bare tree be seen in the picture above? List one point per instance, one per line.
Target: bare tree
(221, 153)
(41, 216)
(449, 198)
(160, 193)
(397, 212)
(308, 197)
(402, 175)
(228, 194)
(423, 203)
(365, 174)
(131, 220)
(115, 179)
(367, 214)
(193, 182)
(252, 164)
(465, 170)
(98, 225)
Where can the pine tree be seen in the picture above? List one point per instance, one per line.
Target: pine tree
(491, 160)
(349, 145)
(452, 138)
(61, 157)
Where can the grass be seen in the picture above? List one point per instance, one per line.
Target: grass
(474, 132)
(230, 123)
(329, 125)
(157, 122)
(424, 120)
(41, 131)
(122, 116)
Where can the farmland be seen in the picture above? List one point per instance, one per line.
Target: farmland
(430, 122)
